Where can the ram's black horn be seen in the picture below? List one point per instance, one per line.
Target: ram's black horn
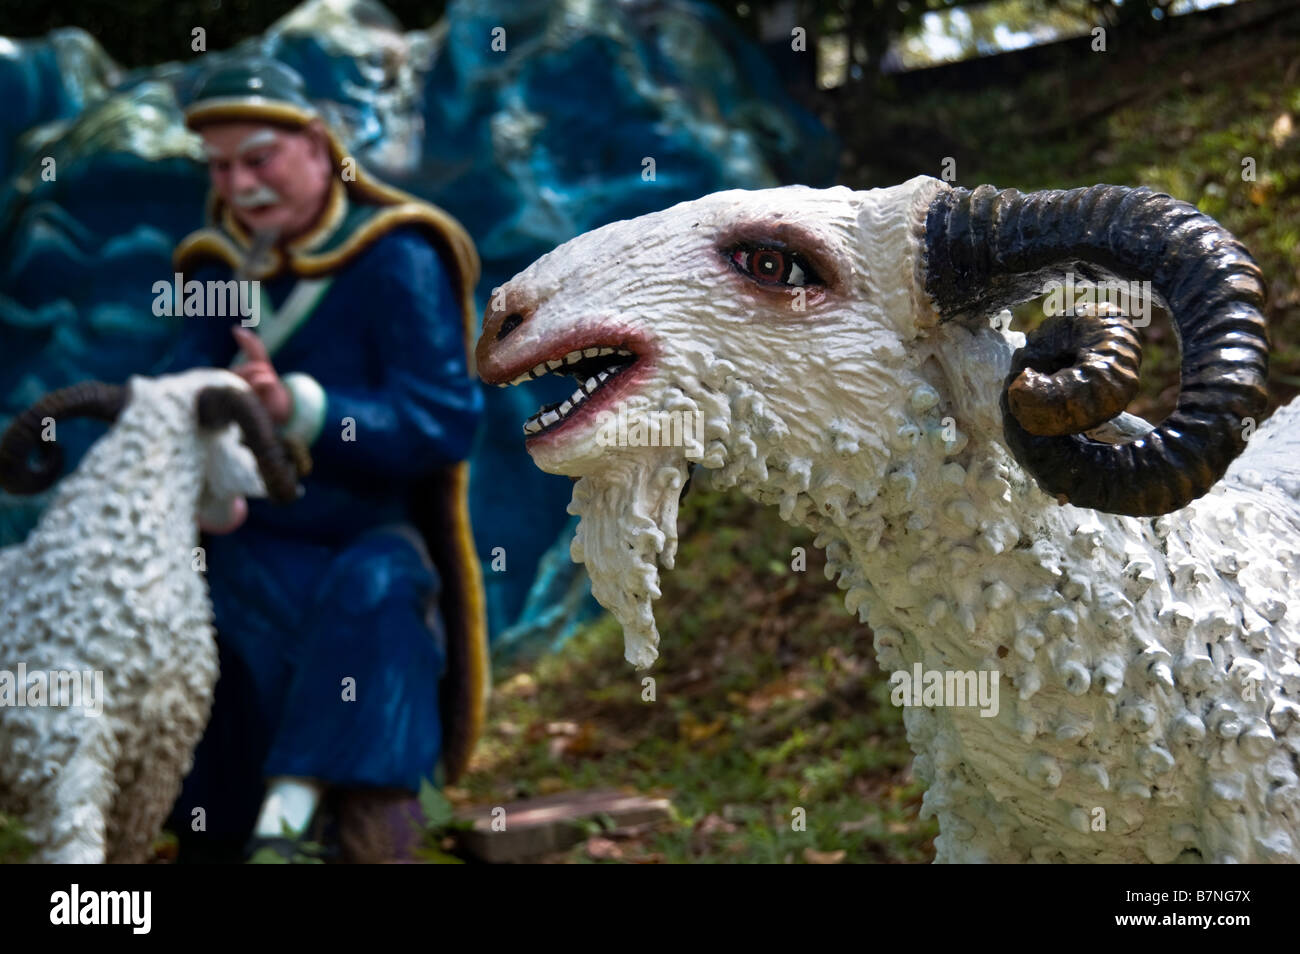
(988, 249)
(30, 464)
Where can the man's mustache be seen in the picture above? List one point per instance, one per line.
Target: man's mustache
(262, 195)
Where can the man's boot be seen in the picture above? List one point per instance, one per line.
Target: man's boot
(380, 826)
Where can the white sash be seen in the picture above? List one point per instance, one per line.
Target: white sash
(276, 326)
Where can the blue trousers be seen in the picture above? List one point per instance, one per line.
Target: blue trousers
(330, 662)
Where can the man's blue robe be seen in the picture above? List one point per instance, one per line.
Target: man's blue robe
(331, 643)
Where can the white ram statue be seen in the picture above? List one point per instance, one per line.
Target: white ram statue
(982, 498)
(106, 600)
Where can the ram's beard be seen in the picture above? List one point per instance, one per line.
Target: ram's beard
(626, 531)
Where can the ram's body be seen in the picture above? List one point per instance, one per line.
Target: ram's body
(1148, 666)
(110, 583)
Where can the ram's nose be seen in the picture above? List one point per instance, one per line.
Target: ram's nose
(508, 309)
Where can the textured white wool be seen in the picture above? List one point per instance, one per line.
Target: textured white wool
(106, 582)
(1150, 675)
(627, 527)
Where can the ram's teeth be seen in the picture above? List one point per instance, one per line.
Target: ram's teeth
(590, 385)
(532, 427)
(555, 363)
(565, 408)
(549, 418)
(606, 350)
(526, 376)
(603, 375)
(540, 370)
(591, 352)
(624, 352)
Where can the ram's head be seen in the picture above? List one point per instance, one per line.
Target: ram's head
(240, 456)
(798, 342)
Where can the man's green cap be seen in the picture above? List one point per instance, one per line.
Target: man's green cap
(255, 89)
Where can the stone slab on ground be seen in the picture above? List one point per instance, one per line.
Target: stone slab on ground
(551, 823)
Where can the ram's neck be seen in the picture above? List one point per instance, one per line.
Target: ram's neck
(961, 568)
(948, 547)
(941, 540)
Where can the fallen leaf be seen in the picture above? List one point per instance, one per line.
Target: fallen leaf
(814, 857)
(693, 730)
(862, 824)
(570, 738)
(522, 686)
(1281, 130)
(603, 849)
(706, 828)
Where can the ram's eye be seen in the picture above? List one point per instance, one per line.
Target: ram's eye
(773, 266)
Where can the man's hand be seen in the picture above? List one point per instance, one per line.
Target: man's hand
(261, 376)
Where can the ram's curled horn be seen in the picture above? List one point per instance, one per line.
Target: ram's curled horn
(219, 406)
(989, 249)
(28, 462)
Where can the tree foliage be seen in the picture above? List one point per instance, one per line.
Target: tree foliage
(872, 25)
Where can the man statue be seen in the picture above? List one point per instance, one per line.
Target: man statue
(350, 623)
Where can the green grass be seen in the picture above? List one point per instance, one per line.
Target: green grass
(767, 700)
(15, 848)
(1178, 119)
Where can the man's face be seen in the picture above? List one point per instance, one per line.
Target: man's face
(271, 178)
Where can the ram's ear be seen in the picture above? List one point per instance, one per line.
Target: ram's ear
(218, 406)
(891, 226)
(956, 356)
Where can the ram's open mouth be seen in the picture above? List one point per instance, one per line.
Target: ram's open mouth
(594, 368)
